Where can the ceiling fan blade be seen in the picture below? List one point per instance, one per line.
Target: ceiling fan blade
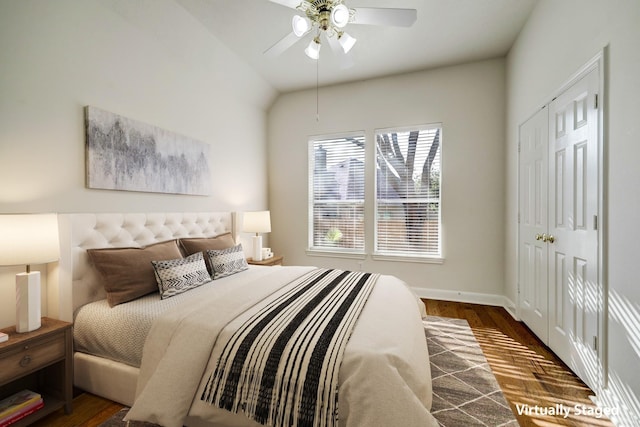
(385, 16)
(346, 60)
(293, 4)
(283, 44)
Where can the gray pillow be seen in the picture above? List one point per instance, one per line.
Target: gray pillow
(179, 275)
(226, 262)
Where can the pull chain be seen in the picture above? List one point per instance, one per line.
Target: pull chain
(317, 90)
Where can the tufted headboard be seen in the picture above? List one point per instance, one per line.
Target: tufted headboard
(76, 282)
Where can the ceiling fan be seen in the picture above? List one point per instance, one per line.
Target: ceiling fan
(327, 19)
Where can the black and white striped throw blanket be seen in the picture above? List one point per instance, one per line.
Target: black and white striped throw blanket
(280, 368)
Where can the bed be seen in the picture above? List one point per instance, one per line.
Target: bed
(383, 373)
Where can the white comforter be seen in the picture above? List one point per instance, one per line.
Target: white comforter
(384, 377)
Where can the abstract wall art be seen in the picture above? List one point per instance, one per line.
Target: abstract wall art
(125, 154)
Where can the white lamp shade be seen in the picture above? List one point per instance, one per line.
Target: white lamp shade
(313, 50)
(347, 42)
(257, 222)
(340, 16)
(29, 239)
(301, 25)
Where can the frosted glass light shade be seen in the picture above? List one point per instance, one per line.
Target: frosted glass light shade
(29, 239)
(300, 25)
(346, 41)
(313, 50)
(257, 222)
(340, 16)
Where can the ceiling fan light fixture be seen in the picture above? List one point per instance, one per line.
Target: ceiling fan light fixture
(340, 16)
(346, 41)
(329, 18)
(313, 50)
(300, 25)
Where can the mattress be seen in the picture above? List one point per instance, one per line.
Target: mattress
(118, 333)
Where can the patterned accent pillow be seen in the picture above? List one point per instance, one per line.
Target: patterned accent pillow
(179, 275)
(226, 262)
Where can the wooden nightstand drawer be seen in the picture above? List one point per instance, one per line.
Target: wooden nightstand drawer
(39, 361)
(31, 357)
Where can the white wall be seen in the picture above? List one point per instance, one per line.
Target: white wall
(558, 39)
(147, 60)
(469, 102)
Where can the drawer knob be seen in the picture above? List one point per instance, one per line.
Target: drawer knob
(25, 361)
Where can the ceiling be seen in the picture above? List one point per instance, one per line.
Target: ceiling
(447, 32)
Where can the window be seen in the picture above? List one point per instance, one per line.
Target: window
(407, 208)
(406, 222)
(336, 188)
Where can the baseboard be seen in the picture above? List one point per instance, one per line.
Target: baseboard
(468, 297)
(618, 403)
(511, 309)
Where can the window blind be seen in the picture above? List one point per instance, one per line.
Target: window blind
(407, 208)
(336, 220)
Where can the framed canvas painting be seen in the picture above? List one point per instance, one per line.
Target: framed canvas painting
(125, 154)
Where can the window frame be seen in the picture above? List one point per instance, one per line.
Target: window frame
(326, 251)
(432, 258)
(370, 201)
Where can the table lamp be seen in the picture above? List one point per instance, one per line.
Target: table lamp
(28, 239)
(257, 222)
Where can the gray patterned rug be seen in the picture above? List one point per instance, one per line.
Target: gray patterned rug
(465, 391)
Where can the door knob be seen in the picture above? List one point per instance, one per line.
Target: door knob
(548, 238)
(539, 236)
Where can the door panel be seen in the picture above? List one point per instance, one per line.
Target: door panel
(573, 202)
(560, 290)
(559, 294)
(533, 292)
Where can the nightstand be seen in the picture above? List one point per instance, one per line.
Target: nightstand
(274, 260)
(40, 361)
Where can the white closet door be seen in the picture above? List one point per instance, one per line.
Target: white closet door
(533, 182)
(574, 299)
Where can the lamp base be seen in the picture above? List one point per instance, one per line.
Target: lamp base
(28, 316)
(257, 248)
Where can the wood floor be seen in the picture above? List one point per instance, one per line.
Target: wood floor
(88, 411)
(528, 372)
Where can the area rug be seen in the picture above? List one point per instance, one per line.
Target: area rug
(465, 391)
